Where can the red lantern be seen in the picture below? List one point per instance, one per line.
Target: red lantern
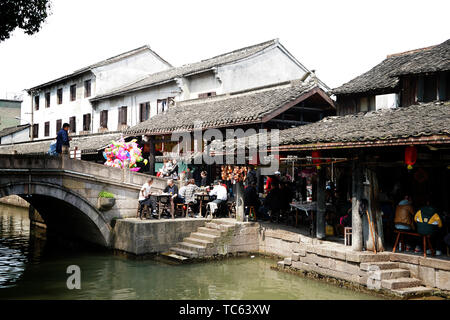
(316, 155)
(410, 156)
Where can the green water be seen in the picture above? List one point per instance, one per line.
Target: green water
(36, 269)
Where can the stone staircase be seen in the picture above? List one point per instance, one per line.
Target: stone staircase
(207, 241)
(388, 276)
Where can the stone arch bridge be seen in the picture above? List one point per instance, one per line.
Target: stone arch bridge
(65, 193)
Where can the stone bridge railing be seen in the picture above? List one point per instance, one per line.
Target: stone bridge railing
(88, 170)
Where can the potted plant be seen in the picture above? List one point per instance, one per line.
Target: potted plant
(105, 201)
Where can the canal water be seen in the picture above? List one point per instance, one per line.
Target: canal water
(33, 267)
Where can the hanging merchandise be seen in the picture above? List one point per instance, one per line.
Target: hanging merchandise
(316, 158)
(121, 154)
(410, 156)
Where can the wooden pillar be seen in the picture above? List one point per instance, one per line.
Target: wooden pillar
(357, 232)
(321, 206)
(240, 213)
(151, 157)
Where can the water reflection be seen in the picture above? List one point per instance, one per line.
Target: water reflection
(34, 269)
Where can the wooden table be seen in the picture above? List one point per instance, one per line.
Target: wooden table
(201, 196)
(159, 197)
(308, 208)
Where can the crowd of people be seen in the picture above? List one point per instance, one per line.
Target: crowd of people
(274, 203)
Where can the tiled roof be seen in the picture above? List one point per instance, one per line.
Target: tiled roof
(423, 120)
(385, 124)
(101, 63)
(224, 110)
(86, 143)
(11, 130)
(383, 78)
(173, 73)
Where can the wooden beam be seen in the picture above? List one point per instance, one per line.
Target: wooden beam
(357, 231)
(289, 122)
(321, 205)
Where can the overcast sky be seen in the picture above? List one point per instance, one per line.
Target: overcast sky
(339, 39)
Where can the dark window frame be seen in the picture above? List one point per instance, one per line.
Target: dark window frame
(58, 125)
(36, 102)
(36, 130)
(123, 113)
(47, 129)
(59, 96)
(87, 88)
(206, 94)
(73, 124)
(87, 122)
(104, 119)
(47, 99)
(144, 111)
(73, 92)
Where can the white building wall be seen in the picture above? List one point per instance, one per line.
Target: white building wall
(385, 101)
(67, 109)
(132, 101)
(102, 79)
(16, 137)
(269, 67)
(124, 71)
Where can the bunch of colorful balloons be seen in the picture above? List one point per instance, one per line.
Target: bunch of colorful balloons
(121, 154)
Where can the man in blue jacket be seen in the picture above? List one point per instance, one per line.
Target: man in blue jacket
(62, 140)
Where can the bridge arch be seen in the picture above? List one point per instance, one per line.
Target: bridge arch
(63, 210)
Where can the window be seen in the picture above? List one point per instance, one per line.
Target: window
(123, 115)
(427, 88)
(47, 99)
(35, 130)
(144, 111)
(59, 94)
(58, 125)
(87, 88)
(206, 94)
(367, 104)
(162, 105)
(73, 92)
(73, 124)
(47, 129)
(87, 122)
(36, 102)
(104, 119)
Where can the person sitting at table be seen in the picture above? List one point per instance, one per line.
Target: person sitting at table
(271, 180)
(430, 223)
(189, 194)
(181, 194)
(221, 196)
(404, 220)
(172, 189)
(145, 197)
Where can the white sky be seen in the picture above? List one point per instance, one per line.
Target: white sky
(339, 39)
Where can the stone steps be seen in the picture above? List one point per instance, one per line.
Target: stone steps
(214, 232)
(197, 241)
(400, 283)
(412, 291)
(204, 236)
(191, 247)
(174, 256)
(185, 253)
(390, 274)
(373, 266)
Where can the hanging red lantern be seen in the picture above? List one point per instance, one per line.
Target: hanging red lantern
(410, 156)
(316, 158)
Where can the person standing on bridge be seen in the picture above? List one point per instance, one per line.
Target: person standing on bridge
(62, 140)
